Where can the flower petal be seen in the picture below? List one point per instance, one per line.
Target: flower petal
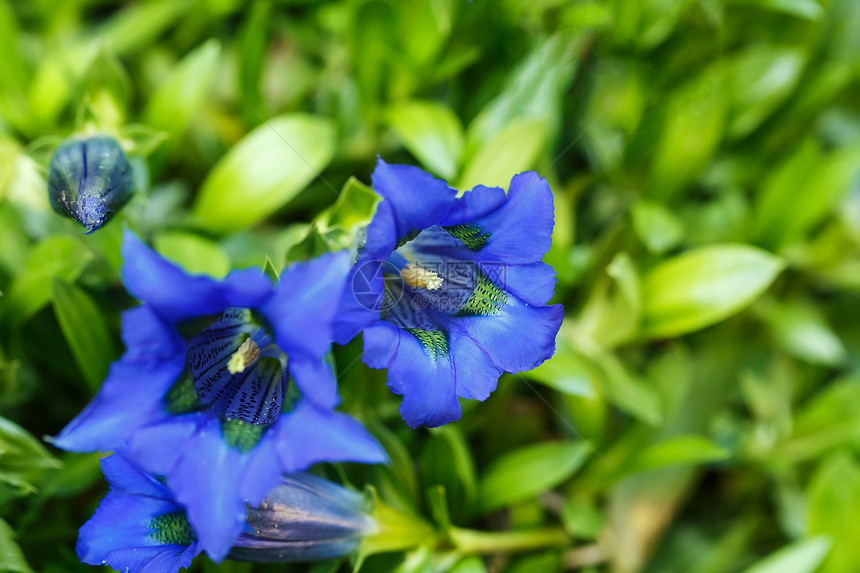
(117, 535)
(126, 478)
(521, 229)
(427, 384)
(518, 339)
(177, 296)
(533, 284)
(304, 305)
(129, 398)
(316, 381)
(311, 435)
(477, 374)
(413, 200)
(473, 204)
(207, 480)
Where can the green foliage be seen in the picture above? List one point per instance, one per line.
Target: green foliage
(700, 413)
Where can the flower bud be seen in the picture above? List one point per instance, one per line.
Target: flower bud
(306, 518)
(90, 180)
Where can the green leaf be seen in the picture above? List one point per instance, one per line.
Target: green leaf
(84, 330)
(657, 227)
(759, 79)
(264, 171)
(447, 461)
(703, 286)
(799, 193)
(675, 451)
(184, 92)
(198, 256)
(511, 151)
(834, 502)
(431, 132)
(58, 256)
(472, 564)
(11, 558)
(22, 459)
(802, 556)
(802, 332)
(805, 9)
(526, 472)
(533, 91)
(695, 119)
(140, 24)
(627, 391)
(830, 420)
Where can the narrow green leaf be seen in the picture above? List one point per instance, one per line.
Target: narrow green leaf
(264, 171)
(431, 132)
(184, 91)
(834, 503)
(704, 286)
(11, 558)
(526, 472)
(675, 451)
(802, 556)
(85, 331)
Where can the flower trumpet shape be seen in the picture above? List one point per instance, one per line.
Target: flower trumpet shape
(449, 289)
(140, 527)
(90, 180)
(223, 386)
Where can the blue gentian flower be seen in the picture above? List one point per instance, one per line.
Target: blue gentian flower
(138, 526)
(223, 386)
(90, 180)
(450, 290)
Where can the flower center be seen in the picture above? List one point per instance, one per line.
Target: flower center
(247, 353)
(236, 372)
(419, 277)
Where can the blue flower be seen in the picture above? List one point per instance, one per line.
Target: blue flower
(138, 526)
(223, 386)
(450, 290)
(90, 180)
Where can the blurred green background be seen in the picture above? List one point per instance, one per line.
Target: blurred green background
(702, 412)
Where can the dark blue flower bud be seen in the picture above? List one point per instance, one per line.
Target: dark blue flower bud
(304, 519)
(90, 180)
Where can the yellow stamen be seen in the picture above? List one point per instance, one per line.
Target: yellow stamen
(418, 277)
(243, 357)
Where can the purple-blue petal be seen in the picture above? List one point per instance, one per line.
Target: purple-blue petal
(521, 229)
(518, 339)
(128, 399)
(413, 200)
(117, 535)
(316, 381)
(175, 295)
(473, 204)
(304, 305)
(428, 385)
(128, 478)
(311, 435)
